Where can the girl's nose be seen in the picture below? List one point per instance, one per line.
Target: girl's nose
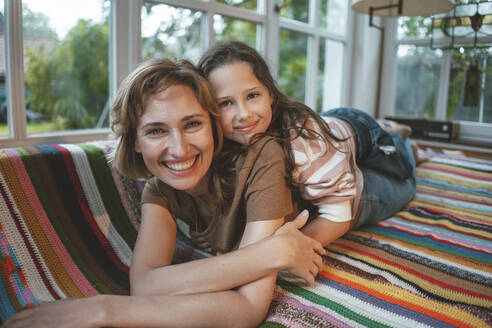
(243, 111)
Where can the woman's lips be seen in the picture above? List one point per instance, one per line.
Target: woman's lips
(182, 167)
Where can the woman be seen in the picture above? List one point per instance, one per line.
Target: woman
(165, 118)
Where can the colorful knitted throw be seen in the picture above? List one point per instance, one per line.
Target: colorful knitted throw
(68, 224)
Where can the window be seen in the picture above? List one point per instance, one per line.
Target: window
(312, 49)
(61, 62)
(307, 59)
(227, 29)
(173, 32)
(437, 77)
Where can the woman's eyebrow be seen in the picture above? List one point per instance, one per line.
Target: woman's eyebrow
(153, 124)
(191, 117)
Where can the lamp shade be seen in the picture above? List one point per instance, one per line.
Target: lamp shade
(409, 7)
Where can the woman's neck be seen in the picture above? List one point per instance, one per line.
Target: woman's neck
(202, 186)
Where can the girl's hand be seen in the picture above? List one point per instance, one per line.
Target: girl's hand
(301, 254)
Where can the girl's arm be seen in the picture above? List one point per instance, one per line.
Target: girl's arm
(151, 272)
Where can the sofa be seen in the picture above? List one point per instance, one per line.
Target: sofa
(69, 221)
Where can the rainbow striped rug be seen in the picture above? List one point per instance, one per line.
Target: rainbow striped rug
(68, 223)
(428, 266)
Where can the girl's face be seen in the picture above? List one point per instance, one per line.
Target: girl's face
(244, 102)
(175, 138)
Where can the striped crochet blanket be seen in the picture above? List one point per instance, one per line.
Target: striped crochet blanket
(68, 224)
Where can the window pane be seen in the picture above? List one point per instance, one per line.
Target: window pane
(330, 75)
(470, 85)
(297, 10)
(417, 81)
(245, 4)
(3, 83)
(227, 29)
(66, 64)
(292, 65)
(334, 15)
(171, 32)
(414, 27)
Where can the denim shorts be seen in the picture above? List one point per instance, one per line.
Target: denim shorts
(387, 164)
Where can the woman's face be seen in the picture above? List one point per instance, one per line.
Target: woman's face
(175, 137)
(244, 102)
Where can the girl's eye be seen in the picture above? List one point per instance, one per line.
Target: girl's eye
(253, 95)
(224, 103)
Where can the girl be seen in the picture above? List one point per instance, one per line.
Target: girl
(165, 118)
(343, 163)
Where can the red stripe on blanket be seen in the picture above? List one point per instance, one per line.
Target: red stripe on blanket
(61, 252)
(29, 247)
(455, 172)
(429, 235)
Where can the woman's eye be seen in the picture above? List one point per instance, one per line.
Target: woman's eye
(154, 132)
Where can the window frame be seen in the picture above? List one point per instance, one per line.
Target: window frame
(473, 132)
(125, 54)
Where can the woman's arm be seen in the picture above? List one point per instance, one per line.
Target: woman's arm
(152, 274)
(246, 306)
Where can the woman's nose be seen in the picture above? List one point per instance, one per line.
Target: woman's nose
(178, 145)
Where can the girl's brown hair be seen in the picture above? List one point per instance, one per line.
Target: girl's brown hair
(288, 115)
(149, 78)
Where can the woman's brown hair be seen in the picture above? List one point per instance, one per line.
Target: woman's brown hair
(149, 78)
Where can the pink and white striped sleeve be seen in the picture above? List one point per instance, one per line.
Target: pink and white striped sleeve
(324, 172)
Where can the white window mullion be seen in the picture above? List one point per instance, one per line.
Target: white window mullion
(388, 76)
(312, 71)
(313, 56)
(208, 30)
(271, 41)
(14, 51)
(125, 46)
(442, 98)
(347, 54)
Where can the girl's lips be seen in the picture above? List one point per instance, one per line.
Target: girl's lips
(181, 167)
(246, 128)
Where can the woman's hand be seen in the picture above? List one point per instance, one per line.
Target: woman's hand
(68, 313)
(301, 254)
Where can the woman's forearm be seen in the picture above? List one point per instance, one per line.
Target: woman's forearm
(219, 309)
(217, 273)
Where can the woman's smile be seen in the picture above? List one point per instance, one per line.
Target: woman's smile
(182, 167)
